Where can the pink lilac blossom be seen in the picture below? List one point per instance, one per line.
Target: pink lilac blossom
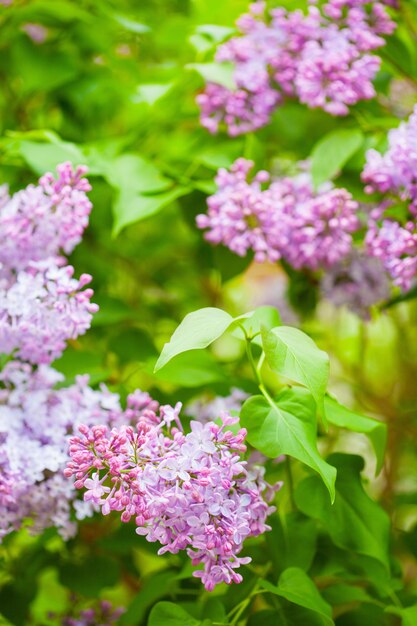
(189, 492)
(42, 309)
(321, 57)
(44, 220)
(395, 172)
(394, 175)
(36, 424)
(281, 218)
(36, 32)
(396, 247)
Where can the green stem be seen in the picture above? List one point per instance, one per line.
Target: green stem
(290, 481)
(252, 362)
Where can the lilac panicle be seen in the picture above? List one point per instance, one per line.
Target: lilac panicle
(36, 423)
(324, 58)
(280, 218)
(189, 492)
(43, 308)
(45, 220)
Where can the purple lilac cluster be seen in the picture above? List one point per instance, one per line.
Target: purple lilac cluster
(36, 423)
(280, 218)
(188, 492)
(394, 175)
(324, 58)
(41, 304)
(44, 220)
(103, 615)
(357, 283)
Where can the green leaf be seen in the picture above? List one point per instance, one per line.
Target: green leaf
(39, 70)
(346, 594)
(287, 426)
(191, 369)
(131, 25)
(169, 614)
(196, 331)
(215, 32)
(295, 586)
(332, 152)
(44, 157)
(293, 354)
(136, 173)
(90, 576)
(345, 418)
(131, 206)
(408, 615)
(219, 73)
(355, 522)
(266, 317)
(292, 541)
(155, 587)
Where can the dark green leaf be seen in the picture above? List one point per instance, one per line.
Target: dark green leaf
(295, 586)
(345, 418)
(354, 522)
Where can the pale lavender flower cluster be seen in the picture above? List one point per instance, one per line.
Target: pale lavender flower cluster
(41, 304)
(323, 58)
(357, 283)
(189, 492)
(280, 218)
(394, 174)
(36, 424)
(43, 308)
(103, 615)
(396, 246)
(42, 221)
(205, 409)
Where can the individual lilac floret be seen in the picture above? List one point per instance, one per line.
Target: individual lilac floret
(395, 172)
(282, 218)
(189, 492)
(357, 283)
(396, 247)
(36, 423)
(45, 220)
(43, 308)
(323, 58)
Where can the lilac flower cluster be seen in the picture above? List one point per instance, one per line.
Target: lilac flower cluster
(323, 58)
(43, 308)
(103, 615)
(357, 283)
(36, 423)
(42, 221)
(188, 492)
(396, 246)
(281, 218)
(41, 304)
(394, 175)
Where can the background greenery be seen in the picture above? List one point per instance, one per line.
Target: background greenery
(113, 86)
